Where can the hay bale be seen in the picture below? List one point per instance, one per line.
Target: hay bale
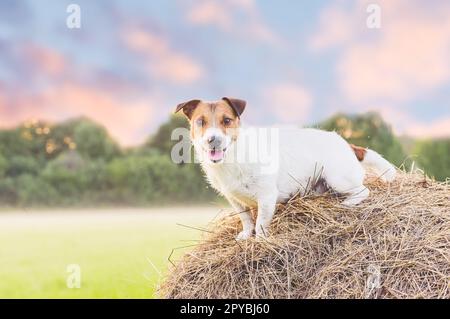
(396, 244)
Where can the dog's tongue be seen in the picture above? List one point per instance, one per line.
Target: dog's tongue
(215, 155)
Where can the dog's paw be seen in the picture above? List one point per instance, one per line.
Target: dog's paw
(262, 233)
(388, 176)
(245, 234)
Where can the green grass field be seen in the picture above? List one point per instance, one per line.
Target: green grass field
(122, 253)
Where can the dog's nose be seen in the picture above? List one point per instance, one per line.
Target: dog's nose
(214, 141)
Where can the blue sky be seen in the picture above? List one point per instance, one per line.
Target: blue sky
(295, 62)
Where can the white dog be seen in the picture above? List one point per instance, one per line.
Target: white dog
(216, 134)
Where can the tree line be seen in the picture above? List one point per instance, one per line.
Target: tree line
(77, 163)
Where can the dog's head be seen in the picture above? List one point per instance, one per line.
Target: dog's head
(214, 125)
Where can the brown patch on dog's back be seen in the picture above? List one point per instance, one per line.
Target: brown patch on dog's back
(360, 152)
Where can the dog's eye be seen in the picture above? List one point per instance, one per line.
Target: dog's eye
(227, 121)
(200, 122)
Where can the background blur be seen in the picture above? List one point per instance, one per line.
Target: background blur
(85, 117)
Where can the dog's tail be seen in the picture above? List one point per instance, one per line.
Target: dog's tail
(372, 159)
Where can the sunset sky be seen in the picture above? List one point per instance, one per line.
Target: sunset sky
(295, 62)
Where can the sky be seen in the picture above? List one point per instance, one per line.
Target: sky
(294, 62)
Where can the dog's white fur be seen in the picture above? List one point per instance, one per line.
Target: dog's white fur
(302, 153)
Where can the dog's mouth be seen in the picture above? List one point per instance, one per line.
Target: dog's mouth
(216, 155)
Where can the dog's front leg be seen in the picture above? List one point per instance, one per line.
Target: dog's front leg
(246, 219)
(266, 209)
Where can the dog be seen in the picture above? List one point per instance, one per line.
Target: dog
(216, 131)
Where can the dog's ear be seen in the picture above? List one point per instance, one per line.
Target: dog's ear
(236, 104)
(187, 107)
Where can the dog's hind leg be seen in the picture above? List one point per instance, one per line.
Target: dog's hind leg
(350, 184)
(356, 196)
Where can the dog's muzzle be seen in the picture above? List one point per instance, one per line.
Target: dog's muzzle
(216, 151)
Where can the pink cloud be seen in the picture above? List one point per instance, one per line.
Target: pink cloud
(43, 59)
(210, 12)
(407, 57)
(436, 129)
(124, 114)
(163, 61)
(291, 102)
(403, 123)
(124, 118)
(225, 16)
(335, 28)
